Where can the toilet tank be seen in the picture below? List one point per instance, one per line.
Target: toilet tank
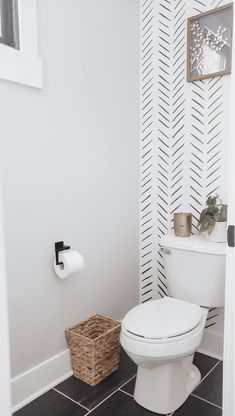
(194, 269)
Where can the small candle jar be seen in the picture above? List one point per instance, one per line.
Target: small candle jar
(183, 224)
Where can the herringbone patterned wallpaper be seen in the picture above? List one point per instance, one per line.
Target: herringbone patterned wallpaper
(183, 133)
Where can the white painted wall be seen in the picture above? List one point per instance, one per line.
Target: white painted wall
(70, 172)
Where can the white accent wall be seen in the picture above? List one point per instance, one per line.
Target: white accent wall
(184, 140)
(70, 172)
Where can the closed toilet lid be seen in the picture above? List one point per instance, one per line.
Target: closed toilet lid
(162, 318)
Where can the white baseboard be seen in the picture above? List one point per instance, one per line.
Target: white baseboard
(38, 380)
(212, 344)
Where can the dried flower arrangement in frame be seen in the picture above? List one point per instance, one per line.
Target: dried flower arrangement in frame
(209, 49)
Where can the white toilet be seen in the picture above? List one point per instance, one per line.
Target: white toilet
(161, 336)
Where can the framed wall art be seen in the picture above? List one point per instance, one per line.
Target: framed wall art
(209, 43)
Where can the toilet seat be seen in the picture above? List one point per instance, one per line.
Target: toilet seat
(174, 346)
(162, 319)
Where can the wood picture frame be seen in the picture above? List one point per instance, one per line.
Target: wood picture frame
(209, 43)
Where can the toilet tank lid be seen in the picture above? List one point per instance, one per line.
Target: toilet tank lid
(196, 243)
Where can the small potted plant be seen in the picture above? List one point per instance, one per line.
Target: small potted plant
(213, 220)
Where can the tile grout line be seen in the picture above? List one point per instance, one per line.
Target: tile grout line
(128, 394)
(110, 395)
(209, 372)
(126, 382)
(171, 414)
(207, 401)
(69, 398)
(131, 395)
(102, 401)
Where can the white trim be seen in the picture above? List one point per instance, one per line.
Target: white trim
(5, 392)
(23, 66)
(229, 332)
(31, 384)
(229, 321)
(27, 11)
(20, 67)
(212, 345)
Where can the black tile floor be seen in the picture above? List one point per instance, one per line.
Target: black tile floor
(114, 396)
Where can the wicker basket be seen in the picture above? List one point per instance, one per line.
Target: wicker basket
(94, 348)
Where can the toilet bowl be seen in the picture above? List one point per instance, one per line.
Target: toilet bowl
(161, 336)
(164, 351)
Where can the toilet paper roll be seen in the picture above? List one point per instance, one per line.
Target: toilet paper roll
(73, 262)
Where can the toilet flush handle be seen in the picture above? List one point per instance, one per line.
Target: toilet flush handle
(165, 250)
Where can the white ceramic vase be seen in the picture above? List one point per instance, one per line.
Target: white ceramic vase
(219, 232)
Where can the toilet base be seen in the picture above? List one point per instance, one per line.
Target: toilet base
(164, 388)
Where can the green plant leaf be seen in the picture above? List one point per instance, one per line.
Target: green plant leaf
(214, 212)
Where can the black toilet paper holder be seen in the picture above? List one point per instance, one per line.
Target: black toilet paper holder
(59, 246)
